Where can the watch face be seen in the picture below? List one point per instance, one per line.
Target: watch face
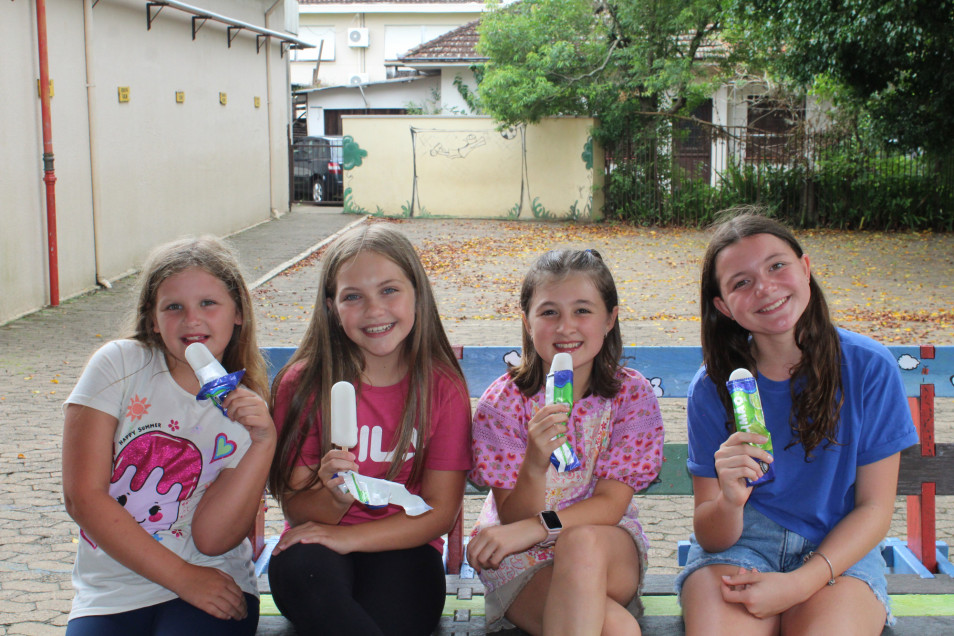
(551, 520)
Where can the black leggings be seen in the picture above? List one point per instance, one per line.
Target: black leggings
(363, 593)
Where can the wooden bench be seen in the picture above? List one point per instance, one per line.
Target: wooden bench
(926, 471)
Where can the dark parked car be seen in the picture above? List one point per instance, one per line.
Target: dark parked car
(317, 173)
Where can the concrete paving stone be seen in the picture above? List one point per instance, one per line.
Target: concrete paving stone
(47, 587)
(58, 605)
(36, 628)
(42, 355)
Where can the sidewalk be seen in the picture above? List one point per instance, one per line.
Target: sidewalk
(41, 357)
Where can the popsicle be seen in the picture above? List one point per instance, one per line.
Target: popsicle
(747, 408)
(215, 382)
(344, 416)
(559, 390)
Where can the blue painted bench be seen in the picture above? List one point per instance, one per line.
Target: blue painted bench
(926, 471)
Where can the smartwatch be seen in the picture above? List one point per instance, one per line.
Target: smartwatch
(551, 523)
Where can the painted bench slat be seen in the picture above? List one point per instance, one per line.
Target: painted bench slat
(926, 371)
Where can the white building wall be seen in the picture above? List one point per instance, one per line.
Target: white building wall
(452, 102)
(136, 174)
(393, 94)
(387, 26)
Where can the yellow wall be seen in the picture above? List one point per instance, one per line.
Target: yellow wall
(465, 167)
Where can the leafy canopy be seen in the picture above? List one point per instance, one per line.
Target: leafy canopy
(613, 60)
(890, 61)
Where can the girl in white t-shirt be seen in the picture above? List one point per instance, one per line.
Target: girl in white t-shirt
(164, 486)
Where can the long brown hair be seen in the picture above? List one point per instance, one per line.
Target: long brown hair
(815, 380)
(555, 265)
(213, 256)
(326, 355)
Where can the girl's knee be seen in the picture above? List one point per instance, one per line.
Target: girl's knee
(579, 542)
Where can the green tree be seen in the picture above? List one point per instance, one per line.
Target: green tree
(891, 63)
(620, 60)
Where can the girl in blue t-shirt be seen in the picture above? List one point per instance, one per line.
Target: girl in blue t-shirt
(798, 554)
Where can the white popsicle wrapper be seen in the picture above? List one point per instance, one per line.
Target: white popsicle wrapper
(344, 416)
(214, 381)
(378, 493)
(206, 367)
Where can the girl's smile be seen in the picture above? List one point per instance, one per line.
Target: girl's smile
(569, 316)
(193, 306)
(763, 284)
(375, 302)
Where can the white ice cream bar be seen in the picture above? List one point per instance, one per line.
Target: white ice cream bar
(739, 374)
(561, 362)
(344, 416)
(206, 367)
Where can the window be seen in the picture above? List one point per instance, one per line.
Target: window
(771, 124)
(323, 37)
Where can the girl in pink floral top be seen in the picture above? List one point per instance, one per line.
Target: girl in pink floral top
(564, 552)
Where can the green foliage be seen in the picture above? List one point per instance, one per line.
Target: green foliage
(893, 61)
(470, 97)
(845, 189)
(613, 60)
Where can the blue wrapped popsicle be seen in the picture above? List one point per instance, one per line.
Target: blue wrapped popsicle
(216, 383)
(559, 390)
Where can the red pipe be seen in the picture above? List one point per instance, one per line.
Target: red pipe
(49, 175)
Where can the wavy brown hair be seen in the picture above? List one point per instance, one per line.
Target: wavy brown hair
(530, 375)
(815, 380)
(326, 355)
(213, 256)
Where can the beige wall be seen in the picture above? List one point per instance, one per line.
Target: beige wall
(464, 167)
(133, 175)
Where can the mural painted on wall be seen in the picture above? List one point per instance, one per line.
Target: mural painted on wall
(461, 156)
(475, 170)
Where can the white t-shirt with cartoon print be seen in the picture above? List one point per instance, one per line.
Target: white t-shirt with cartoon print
(168, 449)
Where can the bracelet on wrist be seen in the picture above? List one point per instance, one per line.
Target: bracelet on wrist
(831, 570)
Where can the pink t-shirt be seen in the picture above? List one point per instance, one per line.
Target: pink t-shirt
(379, 412)
(618, 438)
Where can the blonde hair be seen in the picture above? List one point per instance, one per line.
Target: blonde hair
(210, 255)
(326, 355)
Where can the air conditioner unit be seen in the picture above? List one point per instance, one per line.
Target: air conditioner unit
(359, 78)
(358, 37)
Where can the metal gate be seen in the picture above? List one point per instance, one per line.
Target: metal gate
(316, 170)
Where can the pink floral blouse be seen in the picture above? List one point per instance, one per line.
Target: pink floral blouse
(617, 438)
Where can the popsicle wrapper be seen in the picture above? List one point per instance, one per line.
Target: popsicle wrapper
(559, 390)
(378, 493)
(216, 390)
(747, 407)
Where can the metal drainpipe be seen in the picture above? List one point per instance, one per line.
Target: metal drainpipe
(49, 175)
(274, 212)
(93, 138)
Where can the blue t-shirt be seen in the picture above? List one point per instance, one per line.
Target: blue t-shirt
(810, 498)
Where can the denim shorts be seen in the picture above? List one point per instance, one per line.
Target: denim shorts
(768, 547)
